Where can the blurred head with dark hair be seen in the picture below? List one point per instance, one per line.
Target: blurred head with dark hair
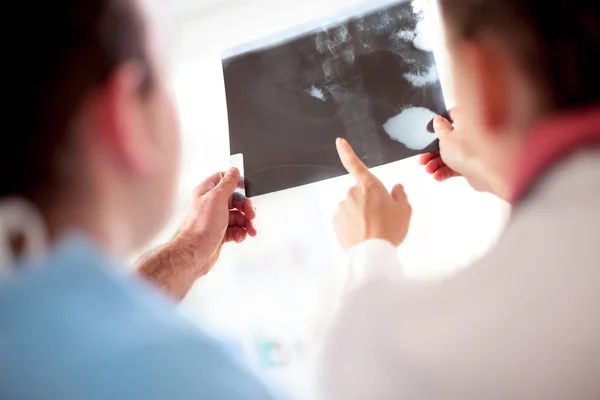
(517, 62)
(94, 143)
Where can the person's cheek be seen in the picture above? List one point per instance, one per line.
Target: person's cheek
(175, 128)
(460, 83)
(166, 122)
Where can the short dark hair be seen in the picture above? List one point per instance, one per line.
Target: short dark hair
(68, 49)
(557, 42)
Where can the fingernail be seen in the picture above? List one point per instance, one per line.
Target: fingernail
(233, 170)
(437, 121)
(339, 141)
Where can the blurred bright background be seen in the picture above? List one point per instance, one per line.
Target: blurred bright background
(275, 294)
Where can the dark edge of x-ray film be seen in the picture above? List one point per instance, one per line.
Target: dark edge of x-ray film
(358, 78)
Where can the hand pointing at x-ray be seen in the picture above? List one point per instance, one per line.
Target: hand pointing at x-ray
(369, 211)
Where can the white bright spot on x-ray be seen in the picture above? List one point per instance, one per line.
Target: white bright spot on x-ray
(417, 6)
(420, 36)
(405, 35)
(317, 93)
(420, 80)
(410, 128)
(423, 40)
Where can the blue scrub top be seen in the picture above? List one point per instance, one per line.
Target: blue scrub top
(77, 327)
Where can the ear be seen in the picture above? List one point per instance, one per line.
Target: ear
(120, 114)
(491, 79)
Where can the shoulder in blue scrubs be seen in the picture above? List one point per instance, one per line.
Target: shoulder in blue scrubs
(77, 327)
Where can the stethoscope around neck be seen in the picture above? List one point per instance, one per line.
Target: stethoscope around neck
(20, 218)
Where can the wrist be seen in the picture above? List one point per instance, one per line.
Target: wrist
(174, 267)
(482, 179)
(189, 248)
(496, 186)
(371, 259)
(370, 239)
(379, 241)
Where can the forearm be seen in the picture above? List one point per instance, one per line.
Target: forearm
(173, 267)
(484, 180)
(357, 343)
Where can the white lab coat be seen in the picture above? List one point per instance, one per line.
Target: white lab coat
(522, 323)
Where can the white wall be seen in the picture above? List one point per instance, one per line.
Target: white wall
(282, 285)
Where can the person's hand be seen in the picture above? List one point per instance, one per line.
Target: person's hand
(434, 162)
(369, 211)
(216, 216)
(457, 158)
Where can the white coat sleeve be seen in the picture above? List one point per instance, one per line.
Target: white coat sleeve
(397, 339)
(353, 360)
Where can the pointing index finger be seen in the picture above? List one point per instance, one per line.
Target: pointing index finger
(351, 162)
